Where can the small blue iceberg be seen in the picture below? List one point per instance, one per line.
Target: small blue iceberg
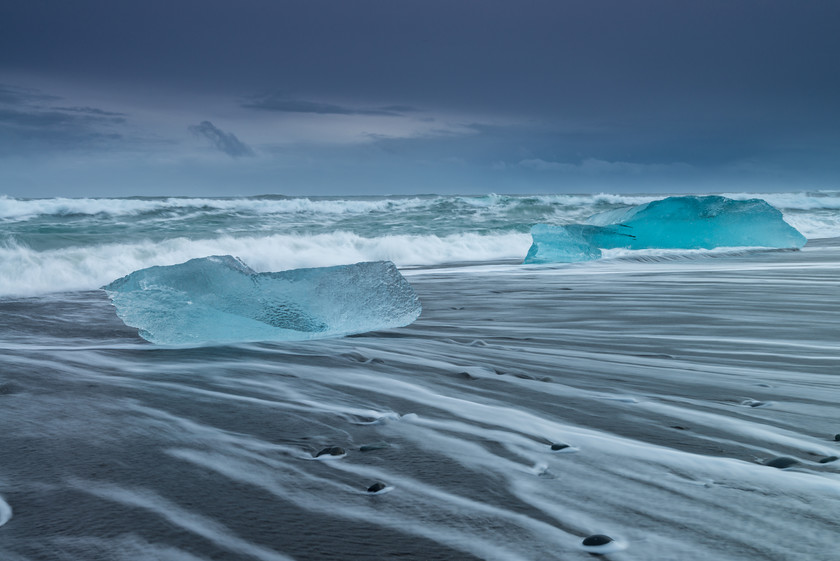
(219, 299)
(672, 223)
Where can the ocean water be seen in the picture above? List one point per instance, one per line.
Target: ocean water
(666, 379)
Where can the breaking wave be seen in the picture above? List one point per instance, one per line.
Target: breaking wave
(24, 271)
(63, 244)
(21, 209)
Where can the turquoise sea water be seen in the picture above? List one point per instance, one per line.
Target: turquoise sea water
(50, 245)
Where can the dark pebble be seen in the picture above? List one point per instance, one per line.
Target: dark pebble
(837, 437)
(782, 462)
(597, 539)
(8, 389)
(331, 451)
(376, 487)
(556, 447)
(829, 459)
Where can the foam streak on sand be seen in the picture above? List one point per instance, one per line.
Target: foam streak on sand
(190, 522)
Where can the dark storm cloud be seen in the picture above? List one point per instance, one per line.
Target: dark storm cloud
(542, 57)
(37, 119)
(28, 124)
(15, 95)
(277, 102)
(224, 141)
(24, 132)
(57, 117)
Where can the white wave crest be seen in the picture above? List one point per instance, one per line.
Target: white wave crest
(816, 225)
(828, 200)
(23, 209)
(25, 272)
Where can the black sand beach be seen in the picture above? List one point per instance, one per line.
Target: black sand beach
(664, 385)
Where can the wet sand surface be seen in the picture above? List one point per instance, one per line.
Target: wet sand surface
(664, 385)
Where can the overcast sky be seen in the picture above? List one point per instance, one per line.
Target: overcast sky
(211, 97)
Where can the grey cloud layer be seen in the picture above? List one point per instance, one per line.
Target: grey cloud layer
(543, 57)
(529, 95)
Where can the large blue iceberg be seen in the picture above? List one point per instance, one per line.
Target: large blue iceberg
(672, 223)
(219, 299)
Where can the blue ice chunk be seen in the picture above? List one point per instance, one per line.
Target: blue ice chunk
(561, 244)
(672, 223)
(702, 223)
(219, 299)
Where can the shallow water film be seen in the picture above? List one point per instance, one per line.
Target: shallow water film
(528, 408)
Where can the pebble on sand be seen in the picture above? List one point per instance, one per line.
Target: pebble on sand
(782, 462)
(331, 451)
(376, 487)
(597, 539)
